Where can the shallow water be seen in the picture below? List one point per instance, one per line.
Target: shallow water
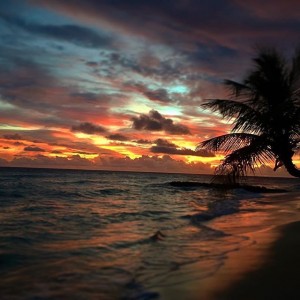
(88, 234)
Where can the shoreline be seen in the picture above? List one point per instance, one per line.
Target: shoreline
(269, 268)
(277, 277)
(266, 268)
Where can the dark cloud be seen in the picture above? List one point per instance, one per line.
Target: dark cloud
(154, 164)
(166, 147)
(89, 128)
(24, 84)
(206, 55)
(154, 121)
(146, 163)
(40, 161)
(14, 136)
(151, 65)
(158, 95)
(181, 151)
(216, 21)
(84, 153)
(117, 137)
(142, 141)
(33, 136)
(88, 96)
(54, 138)
(19, 144)
(128, 63)
(164, 143)
(273, 9)
(74, 34)
(166, 15)
(39, 98)
(33, 149)
(56, 152)
(92, 63)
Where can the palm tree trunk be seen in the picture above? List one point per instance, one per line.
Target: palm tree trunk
(290, 167)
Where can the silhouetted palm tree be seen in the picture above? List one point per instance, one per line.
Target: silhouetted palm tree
(265, 109)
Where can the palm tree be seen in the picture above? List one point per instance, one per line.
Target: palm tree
(265, 110)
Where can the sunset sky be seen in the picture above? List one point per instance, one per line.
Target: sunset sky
(118, 84)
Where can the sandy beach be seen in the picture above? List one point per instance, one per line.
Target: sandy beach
(278, 275)
(267, 267)
(270, 267)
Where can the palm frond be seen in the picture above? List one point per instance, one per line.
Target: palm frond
(227, 108)
(290, 122)
(228, 142)
(237, 90)
(243, 160)
(245, 117)
(250, 156)
(269, 79)
(250, 121)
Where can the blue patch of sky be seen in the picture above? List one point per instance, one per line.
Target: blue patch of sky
(179, 88)
(170, 110)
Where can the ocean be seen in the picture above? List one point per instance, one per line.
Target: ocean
(73, 234)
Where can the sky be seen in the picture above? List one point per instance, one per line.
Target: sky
(118, 84)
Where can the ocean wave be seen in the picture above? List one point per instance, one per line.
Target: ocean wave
(110, 191)
(11, 194)
(110, 235)
(134, 216)
(198, 219)
(219, 186)
(11, 260)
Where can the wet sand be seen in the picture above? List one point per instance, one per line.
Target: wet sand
(279, 275)
(267, 268)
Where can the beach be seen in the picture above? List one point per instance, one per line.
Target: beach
(275, 272)
(277, 276)
(267, 268)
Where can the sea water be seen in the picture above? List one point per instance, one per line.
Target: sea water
(72, 234)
